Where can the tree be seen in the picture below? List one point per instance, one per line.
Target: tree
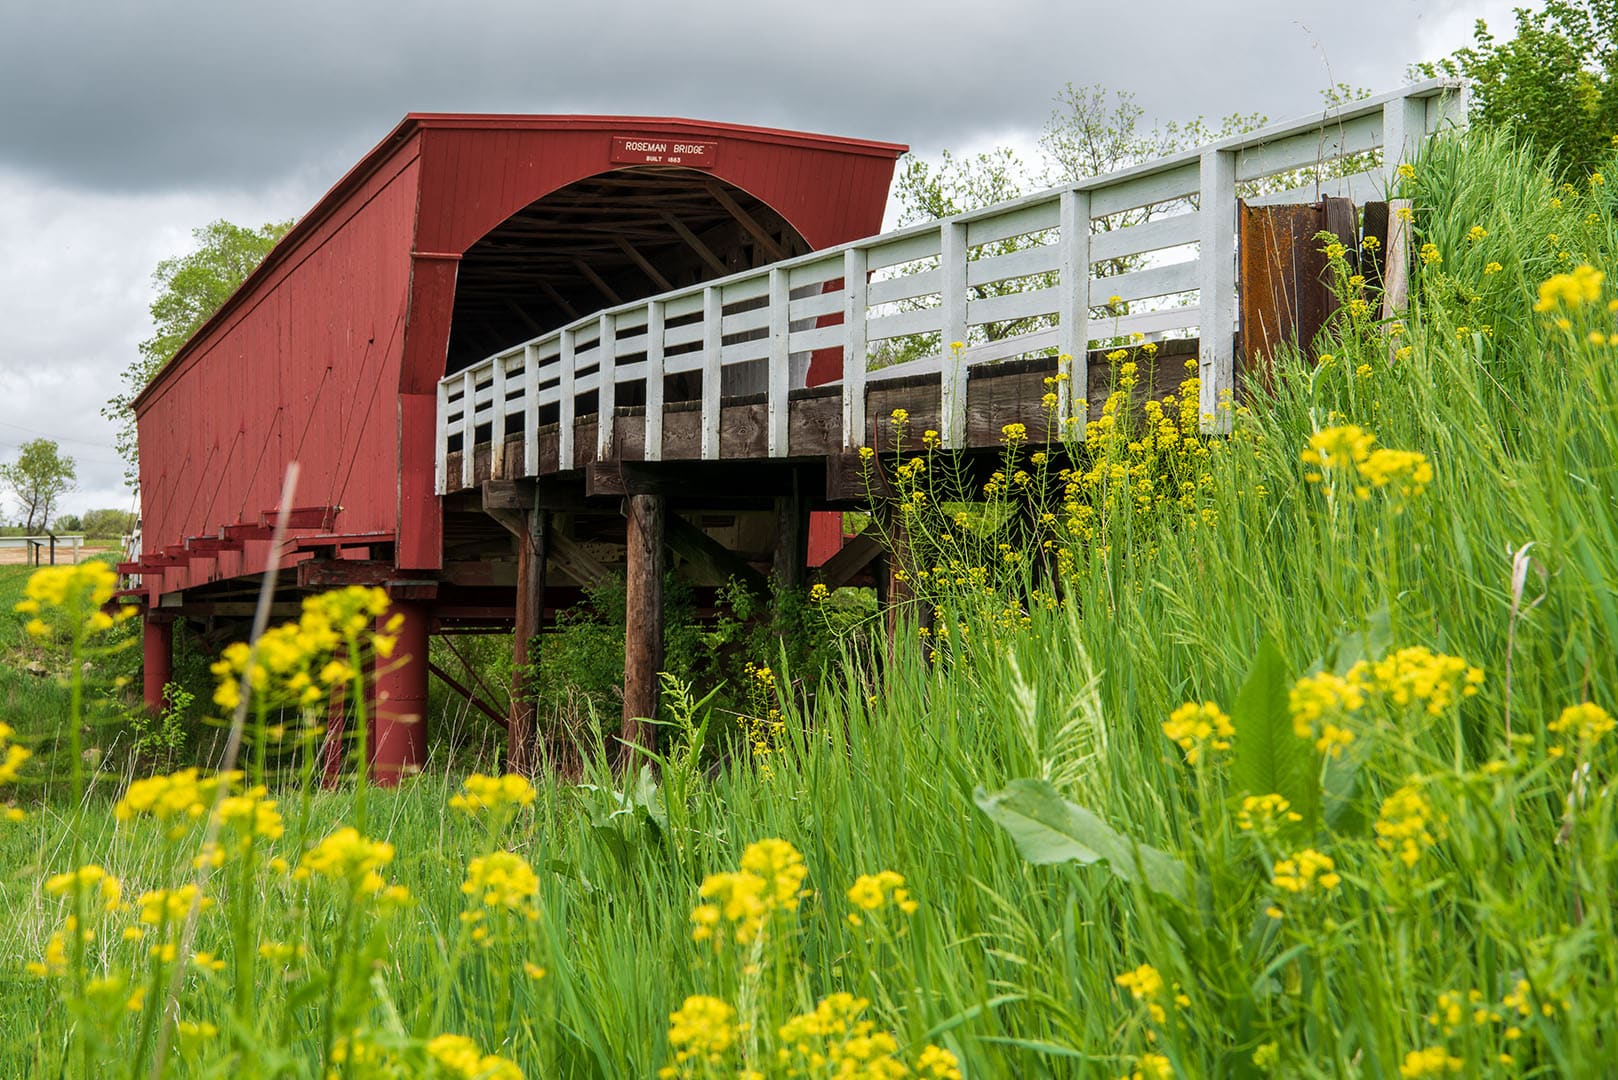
(38, 477)
(1555, 83)
(190, 288)
(108, 523)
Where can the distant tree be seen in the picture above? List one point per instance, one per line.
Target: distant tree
(108, 523)
(38, 477)
(69, 523)
(190, 288)
(1555, 83)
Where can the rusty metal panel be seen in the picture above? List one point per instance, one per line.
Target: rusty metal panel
(1284, 279)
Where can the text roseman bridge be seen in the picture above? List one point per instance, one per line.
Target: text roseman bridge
(515, 355)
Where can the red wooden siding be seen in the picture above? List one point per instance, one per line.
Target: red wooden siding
(331, 352)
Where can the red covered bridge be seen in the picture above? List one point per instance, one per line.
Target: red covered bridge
(456, 236)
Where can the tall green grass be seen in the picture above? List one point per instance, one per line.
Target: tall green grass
(1013, 966)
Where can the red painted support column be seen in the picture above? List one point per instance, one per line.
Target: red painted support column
(399, 739)
(158, 659)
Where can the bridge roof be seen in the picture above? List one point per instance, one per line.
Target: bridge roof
(404, 137)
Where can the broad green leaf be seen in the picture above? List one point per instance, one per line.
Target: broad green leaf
(1268, 755)
(1048, 829)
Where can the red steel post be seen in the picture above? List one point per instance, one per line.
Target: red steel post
(157, 643)
(399, 743)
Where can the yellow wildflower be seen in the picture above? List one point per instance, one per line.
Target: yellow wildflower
(873, 891)
(1588, 721)
(348, 858)
(480, 793)
(701, 1032)
(1430, 1061)
(503, 879)
(1571, 291)
(1406, 824)
(1306, 872)
(1199, 727)
(460, 1057)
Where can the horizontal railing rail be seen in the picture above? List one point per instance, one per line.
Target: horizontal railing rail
(1012, 279)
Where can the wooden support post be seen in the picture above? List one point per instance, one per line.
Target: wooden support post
(400, 720)
(532, 548)
(643, 623)
(157, 668)
(791, 566)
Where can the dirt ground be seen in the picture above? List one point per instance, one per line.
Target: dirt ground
(16, 556)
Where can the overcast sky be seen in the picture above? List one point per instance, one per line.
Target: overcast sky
(124, 126)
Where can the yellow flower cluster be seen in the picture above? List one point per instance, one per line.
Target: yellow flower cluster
(1266, 814)
(252, 815)
(160, 907)
(1197, 728)
(481, 793)
(460, 1057)
(1152, 461)
(75, 594)
(1151, 1067)
(701, 1031)
(1344, 455)
(1407, 824)
(1418, 676)
(90, 883)
(1587, 722)
(1316, 702)
(770, 880)
(1405, 471)
(1429, 1061)
(833, 1040)
(1145, 985)
(349, 859)
(1570, 291)
(872, 892)
(14, 756)
(1430, 255)
(502, 880)
(1305, 873)
(295, 664)
(1406, 677)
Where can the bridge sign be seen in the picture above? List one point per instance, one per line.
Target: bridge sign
(664, 151)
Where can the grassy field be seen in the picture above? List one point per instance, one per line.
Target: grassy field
(1398, 647)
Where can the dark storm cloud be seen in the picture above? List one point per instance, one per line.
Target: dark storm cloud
(169, 95)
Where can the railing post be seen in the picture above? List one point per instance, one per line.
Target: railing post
(1073, 395)
(564, 434)
(654, 381)
(952, 299)
(441, 453)
(469, 422)
(606, 384)
(1448, 106)
(1217, 288)
(713, 345)
(497, 419)
(1404, 129)
(854, 358)
(530, 410)
(779, 364)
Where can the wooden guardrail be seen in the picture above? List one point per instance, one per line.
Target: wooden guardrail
(1015, 279)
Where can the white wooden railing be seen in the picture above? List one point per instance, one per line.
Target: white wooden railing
(755, 330)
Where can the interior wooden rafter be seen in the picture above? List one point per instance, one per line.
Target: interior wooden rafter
(618, 236)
